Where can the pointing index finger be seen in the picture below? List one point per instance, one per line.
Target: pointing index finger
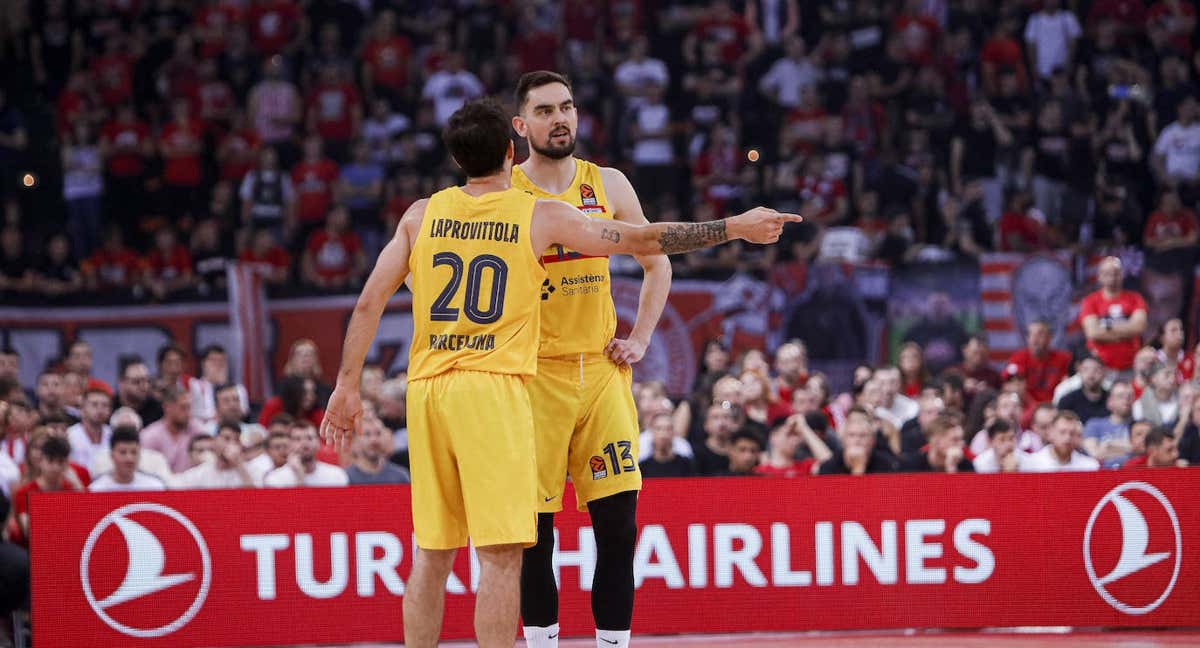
(790, 218)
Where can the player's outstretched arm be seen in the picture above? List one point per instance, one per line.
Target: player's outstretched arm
(343, 414)
(558, 222)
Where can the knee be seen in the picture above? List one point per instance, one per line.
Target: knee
(507, 556)
(614, 521)
(439, 561)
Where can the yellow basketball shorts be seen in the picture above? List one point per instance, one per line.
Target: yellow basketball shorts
(586, 425)
(471, 453)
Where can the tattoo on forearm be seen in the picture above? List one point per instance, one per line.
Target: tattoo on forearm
(610, 235)
(692, 236)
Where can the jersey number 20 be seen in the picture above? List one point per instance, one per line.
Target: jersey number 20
(441, 311)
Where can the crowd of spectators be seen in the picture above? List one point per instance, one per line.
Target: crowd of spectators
(291, 134)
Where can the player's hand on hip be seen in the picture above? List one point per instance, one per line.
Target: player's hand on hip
(625, 352)
(343, 416)
(761, 224)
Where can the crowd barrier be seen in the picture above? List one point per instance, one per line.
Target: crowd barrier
(273, 567)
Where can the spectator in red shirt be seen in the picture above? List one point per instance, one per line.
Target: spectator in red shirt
(1175, 20)
(919, 32)
(79, 362)
(77, 101)
(804, 127)
(335, 111)
(1023, 228)
(535, 44)
(1113, 319)
(313, 179)
(269, 258)
(126, 145)
(406, 190)
(1172, 353)
(1002, 50)
(113, 72)
(297, 398)
(180, 144)
(914, 375)
(722, 26)
(1128, 15)
(213, 23)
(52, 468)
(168, 267)
(791, 369)
(215, 98)
(1042, 367)
(387, 58)
(783, 446)
(238, 150)
(113, 266)
(826, 196)
(1162, 448)
(276, 26)
(1172, 227)
(333, 256)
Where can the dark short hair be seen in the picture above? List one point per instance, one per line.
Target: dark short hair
(282, 418)
(747, 433)
(229, 426)
(998, 427)
(943, 423)
(124, 434)
(536, 79)
(197, 438)
(9, 351)
(55, 448)
(168, 348)
(124, 362)
(211, 349)
(478, 138)
(224, 388)
(1157, 435)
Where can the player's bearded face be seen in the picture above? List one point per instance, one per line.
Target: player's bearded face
(558, 143)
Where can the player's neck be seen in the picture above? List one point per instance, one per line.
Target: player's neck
(487, 184)
(550, 175)
(1112, 293)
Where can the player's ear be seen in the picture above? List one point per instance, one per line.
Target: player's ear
(518, 124)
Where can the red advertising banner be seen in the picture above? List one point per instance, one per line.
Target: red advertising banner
(232, 568)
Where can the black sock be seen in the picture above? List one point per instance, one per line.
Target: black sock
(614, 521)
(539, 593)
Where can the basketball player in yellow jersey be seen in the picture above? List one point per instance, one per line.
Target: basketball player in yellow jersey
(473, 252)
(583, 410)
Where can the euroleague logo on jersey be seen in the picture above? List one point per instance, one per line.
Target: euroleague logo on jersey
(1132, 548)
(145, 570)
(587, 195)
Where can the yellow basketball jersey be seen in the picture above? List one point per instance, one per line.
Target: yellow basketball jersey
(475, 285)
(577, 307)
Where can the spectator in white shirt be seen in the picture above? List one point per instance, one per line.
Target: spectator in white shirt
(214, 373)
(789, 75)
(1177, 150)
(124, 475)
(1060, 454)
(302, 468)
(150, 462)
(229, 408)
(450, 88)
(638, 74)
(90, 435)
(1002, 455)
(900, 407)
(225, 470)
(277, 446)
(1051, 34)
(10, 473)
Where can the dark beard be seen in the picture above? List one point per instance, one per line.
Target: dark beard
(554, 152)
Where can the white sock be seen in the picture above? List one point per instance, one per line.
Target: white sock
(538, 637)
(612, 638)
